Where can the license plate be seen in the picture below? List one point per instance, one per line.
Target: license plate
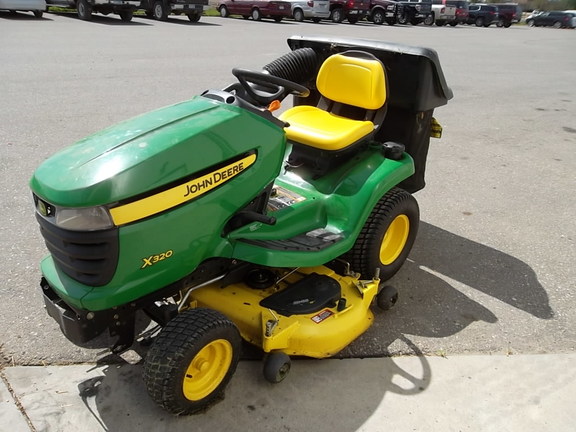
(281, 7)
(353, 12)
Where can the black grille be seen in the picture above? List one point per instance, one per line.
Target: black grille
(90, 257)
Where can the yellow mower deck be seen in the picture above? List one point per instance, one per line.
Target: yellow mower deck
(320, 334)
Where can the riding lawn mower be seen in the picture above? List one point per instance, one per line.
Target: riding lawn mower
(223, 222)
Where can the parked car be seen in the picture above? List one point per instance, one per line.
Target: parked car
(554, 19)
(124, 8)
(160, 9)
(573, 12)
(508, 14)
(482, 15)
(442, 13)
(383, 11)
(461, 11)
(256, 9)
(37, 7)
(351, 10)
(310, 9)
(414, 11)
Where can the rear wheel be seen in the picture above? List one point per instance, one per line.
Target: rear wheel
(192, 360)
(298, 15)
(530, 23)
(557, 25)
(387, 236)
(479, 22)
(160, 12)
(224, 12)
(84, 10)
(403, 19)
(38, 14)
(429, 20)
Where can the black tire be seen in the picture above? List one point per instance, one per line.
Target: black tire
(224, 13)
(454, 23)
(298, 15)
(387, 236)
(316, 20)
(276, 367)
(159, 11)
(415, 21)
(530, 23)
(378, 17)
(507, 24)
(38, 13)
(387, 298)
(479, 22)
(352, 19)
(84, 10)
(277, 18)
(429, 20)
(246, 17)
(194, 17)
(126, 15)
(391, 22)
(337, 15)
(192, 360)
(557, 25)
(500, 23)
(403, 19)
(256, 14)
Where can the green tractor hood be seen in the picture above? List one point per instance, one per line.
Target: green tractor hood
(138, 155)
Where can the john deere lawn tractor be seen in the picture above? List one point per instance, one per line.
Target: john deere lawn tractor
(222, 221)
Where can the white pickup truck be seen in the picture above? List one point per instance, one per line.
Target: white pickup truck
(442, 13)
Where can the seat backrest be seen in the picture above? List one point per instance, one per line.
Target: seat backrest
(355, 78)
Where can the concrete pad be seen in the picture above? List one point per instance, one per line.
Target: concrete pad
(462, 393)
(10, 416)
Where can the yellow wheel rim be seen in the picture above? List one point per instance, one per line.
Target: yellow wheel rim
(394, 239)
(207, 369)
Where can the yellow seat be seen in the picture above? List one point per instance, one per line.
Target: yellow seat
(353, 79)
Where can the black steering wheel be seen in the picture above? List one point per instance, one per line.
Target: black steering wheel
(270, 87)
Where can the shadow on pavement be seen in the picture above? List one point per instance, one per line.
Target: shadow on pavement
(319, 395)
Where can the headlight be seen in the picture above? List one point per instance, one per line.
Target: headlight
(75, 219)
(83, 219)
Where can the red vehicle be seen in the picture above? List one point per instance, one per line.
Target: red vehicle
(257, 9)
(352, 10)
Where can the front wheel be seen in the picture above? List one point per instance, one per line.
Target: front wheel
(387, 236)
(337, 15)
(378, 17)
(530, 23)
(256, 15)
(84, 10)
(192, 360)
(403, 19)
(224, 12)
(160, 12)
(276, 367)
(38, 13)
(479, 22)
(429, 20)
(126, 15)
(194, 17)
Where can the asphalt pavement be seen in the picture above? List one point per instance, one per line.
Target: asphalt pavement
(484, 334)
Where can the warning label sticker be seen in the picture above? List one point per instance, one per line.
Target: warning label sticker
(322, 315)
(282, 197)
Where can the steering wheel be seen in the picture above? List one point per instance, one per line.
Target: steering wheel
(271, 87)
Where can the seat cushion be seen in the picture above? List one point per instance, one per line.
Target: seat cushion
(321, 129)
